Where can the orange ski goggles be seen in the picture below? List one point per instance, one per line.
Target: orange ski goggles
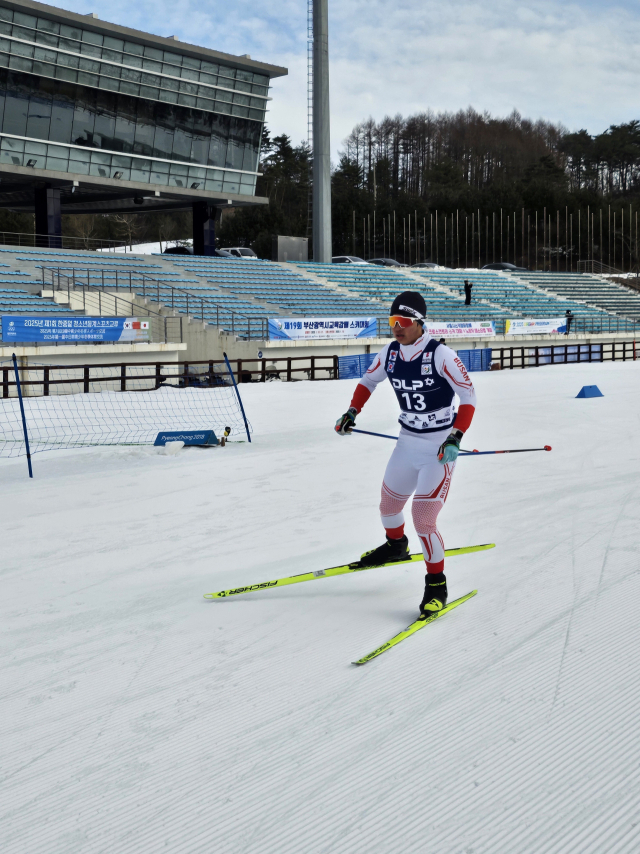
(403, 322)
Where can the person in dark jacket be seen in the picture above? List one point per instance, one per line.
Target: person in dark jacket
(569, 317)
(467, 292)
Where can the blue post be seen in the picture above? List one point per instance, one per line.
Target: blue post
(24, 420)
(233, 380)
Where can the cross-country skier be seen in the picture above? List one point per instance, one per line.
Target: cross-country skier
(425, 376)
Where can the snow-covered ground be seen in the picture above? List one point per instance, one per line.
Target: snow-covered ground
(148, 248)
(138, 718)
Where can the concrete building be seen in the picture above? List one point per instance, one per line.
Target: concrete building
(98, 118)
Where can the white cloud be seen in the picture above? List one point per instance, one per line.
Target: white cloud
(576, 63)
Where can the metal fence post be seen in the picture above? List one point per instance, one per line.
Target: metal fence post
(24, 420)
(233, 380)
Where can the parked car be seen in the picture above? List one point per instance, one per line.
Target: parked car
(508, 268)
(347, 259)
(240, 252)
(178, 250)
(387, 262)
(426, 265)
(187, 250)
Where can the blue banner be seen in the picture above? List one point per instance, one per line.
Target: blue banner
(315, 328)
(189, 437)
(44, 329)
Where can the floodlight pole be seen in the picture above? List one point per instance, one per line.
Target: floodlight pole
(321, 135)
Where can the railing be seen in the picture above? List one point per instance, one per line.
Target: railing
(94, 300)
(603, 324)
(562, 354)
(205, 309)
(597, 267)
(313, 367)
(47, 380)
(48, 241)
(161, 292)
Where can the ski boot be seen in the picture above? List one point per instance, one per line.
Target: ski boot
(435, 595)
(389, 552)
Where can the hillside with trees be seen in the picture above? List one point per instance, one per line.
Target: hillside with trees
(469, 166)
(453, 187)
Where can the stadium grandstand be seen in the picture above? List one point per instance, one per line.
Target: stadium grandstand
(239, 297)
(98, 118)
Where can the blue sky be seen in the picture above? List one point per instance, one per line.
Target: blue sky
(576, 63)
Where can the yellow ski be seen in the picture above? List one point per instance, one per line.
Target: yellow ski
(336, 570)
(413, 628)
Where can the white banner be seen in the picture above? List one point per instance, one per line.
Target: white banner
(481, 329)
(528, 326)
(310, 328)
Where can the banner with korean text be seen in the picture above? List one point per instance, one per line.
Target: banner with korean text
(315, 328)
(529, 326)
(44, 329)
(481, 329)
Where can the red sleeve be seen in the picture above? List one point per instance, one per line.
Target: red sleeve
(464, 417)
(360, 396)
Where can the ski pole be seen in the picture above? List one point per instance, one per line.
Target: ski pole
(369, 433)
(514, 451)
(462, 451)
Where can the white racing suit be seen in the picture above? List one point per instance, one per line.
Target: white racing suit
(424, 375)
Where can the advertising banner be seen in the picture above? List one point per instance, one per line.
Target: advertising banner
(484, 328)
(528, 326)
(44, 329)
(189, 437)
(314, 328)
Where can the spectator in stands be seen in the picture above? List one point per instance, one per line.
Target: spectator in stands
(569, 317)
(442, 341)
(467, 292)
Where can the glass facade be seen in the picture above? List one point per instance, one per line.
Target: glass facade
(59, 51)
(76, 101)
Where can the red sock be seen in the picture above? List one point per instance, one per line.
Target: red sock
(395, 533)
(435, 568)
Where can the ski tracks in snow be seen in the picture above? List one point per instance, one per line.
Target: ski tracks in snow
(240, 727)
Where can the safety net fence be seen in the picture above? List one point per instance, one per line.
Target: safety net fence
(79, 406)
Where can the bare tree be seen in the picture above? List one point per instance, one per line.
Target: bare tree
(83, 226)
(129, 225)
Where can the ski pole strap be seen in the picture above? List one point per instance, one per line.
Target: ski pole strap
(462, 452)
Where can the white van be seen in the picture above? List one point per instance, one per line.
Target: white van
(240, 252)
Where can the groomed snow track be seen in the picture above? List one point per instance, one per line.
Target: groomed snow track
(139, 718)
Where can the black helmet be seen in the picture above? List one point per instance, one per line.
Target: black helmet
(410, 304)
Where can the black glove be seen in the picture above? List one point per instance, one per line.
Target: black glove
(346, 422)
